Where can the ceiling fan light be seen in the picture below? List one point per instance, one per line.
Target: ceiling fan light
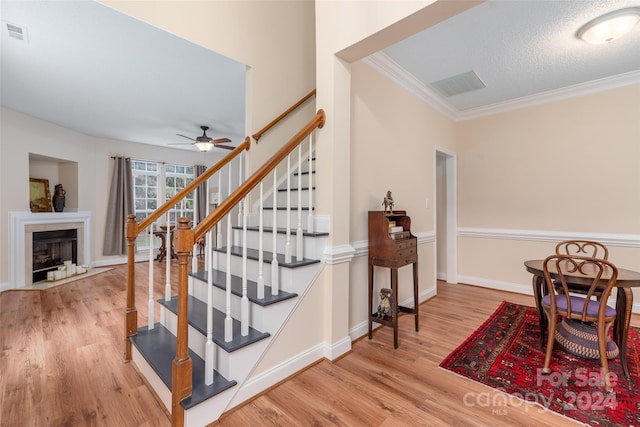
(610, 26)
(204, 146)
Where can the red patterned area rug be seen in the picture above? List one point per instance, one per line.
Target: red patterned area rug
(504, 353)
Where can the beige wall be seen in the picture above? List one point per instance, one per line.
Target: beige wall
(533, 174)
(393, 147)
(275, 39)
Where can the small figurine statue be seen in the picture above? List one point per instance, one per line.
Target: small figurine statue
(384, 305)
(388, 202)
(58, 198)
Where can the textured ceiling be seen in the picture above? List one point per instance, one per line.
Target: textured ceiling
(518, 49)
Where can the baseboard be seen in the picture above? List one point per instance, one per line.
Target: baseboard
(118, 261)
(4, 286)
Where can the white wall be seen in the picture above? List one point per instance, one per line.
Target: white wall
(22, 136)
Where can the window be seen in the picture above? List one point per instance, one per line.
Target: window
(152, 180)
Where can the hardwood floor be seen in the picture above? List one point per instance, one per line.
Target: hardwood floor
(61, 364)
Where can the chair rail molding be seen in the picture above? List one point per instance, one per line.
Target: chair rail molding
(610, 239)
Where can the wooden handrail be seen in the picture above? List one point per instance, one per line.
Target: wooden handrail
(192, 186)
(258, 134)
(233, 199)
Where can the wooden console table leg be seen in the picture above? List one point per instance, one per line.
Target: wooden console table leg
(394, 290)
(415, 292)
(370, 299)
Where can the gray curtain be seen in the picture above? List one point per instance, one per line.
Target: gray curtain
(120, 205)
(201, 196)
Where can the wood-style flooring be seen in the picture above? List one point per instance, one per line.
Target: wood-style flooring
(61, 364)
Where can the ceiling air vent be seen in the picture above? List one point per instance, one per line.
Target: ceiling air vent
(462, 83)
(16, 32)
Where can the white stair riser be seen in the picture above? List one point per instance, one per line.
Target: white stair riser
(311, 245)
(289, 277)
(153, 379)
(263, 318)
(281, 217)
(282, 198)
(229, 365)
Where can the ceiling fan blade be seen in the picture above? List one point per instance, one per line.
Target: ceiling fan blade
(226, 147)
(185, 137)
(220, 141)
(181, 143)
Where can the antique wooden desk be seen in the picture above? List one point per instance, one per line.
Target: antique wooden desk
(392, 250)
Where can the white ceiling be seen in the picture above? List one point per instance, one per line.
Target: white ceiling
(89, 68)
(92, 69)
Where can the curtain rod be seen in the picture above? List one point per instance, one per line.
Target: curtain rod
(159, 162)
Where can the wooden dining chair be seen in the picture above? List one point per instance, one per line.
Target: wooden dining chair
(598, 273)
(588, 248)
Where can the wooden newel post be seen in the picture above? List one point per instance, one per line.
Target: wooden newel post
(181, 372)
(131, 313)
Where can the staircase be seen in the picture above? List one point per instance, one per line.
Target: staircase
(253, 283)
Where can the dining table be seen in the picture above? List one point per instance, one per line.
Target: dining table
(627, 279)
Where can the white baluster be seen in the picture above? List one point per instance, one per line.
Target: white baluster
(151, 304)
(228, 321)
(244, 302)
(310, 226)
(287, 248)
(275, 279)
(240, 204)
(209, 349)
(218, 228)
(194, 258)
(167, 271)
(299, 237)
(261, 244)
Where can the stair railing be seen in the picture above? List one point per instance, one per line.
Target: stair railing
(288, 111)
(133, 229)
(184, 238)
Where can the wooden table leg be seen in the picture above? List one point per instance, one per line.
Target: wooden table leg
(162, 251)
(624, 303)
(370, 299)
(415, 292)
(394, 290)
(537, 295)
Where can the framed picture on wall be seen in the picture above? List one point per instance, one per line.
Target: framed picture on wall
(39, 195)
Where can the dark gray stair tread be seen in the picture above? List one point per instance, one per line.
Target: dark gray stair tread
(220, 281)
(295, 189)
(284, 208)
(198, 319)
(268, 256)
(282, 230)
(303, 173)
(158, 346)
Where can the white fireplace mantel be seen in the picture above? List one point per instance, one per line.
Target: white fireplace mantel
(19, 225)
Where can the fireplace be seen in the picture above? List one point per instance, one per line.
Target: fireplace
(51, 249)
(25, 248)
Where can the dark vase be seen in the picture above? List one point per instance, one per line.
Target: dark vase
(58, 198)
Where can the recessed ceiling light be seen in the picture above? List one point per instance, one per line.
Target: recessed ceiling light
(610, 26)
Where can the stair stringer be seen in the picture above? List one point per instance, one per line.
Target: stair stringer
(246, 389)
(211, 409)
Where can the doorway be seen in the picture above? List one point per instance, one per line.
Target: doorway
(446, 217)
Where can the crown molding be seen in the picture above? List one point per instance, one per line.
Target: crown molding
(389, 68)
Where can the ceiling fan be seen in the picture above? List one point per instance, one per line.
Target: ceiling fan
(204, 143)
